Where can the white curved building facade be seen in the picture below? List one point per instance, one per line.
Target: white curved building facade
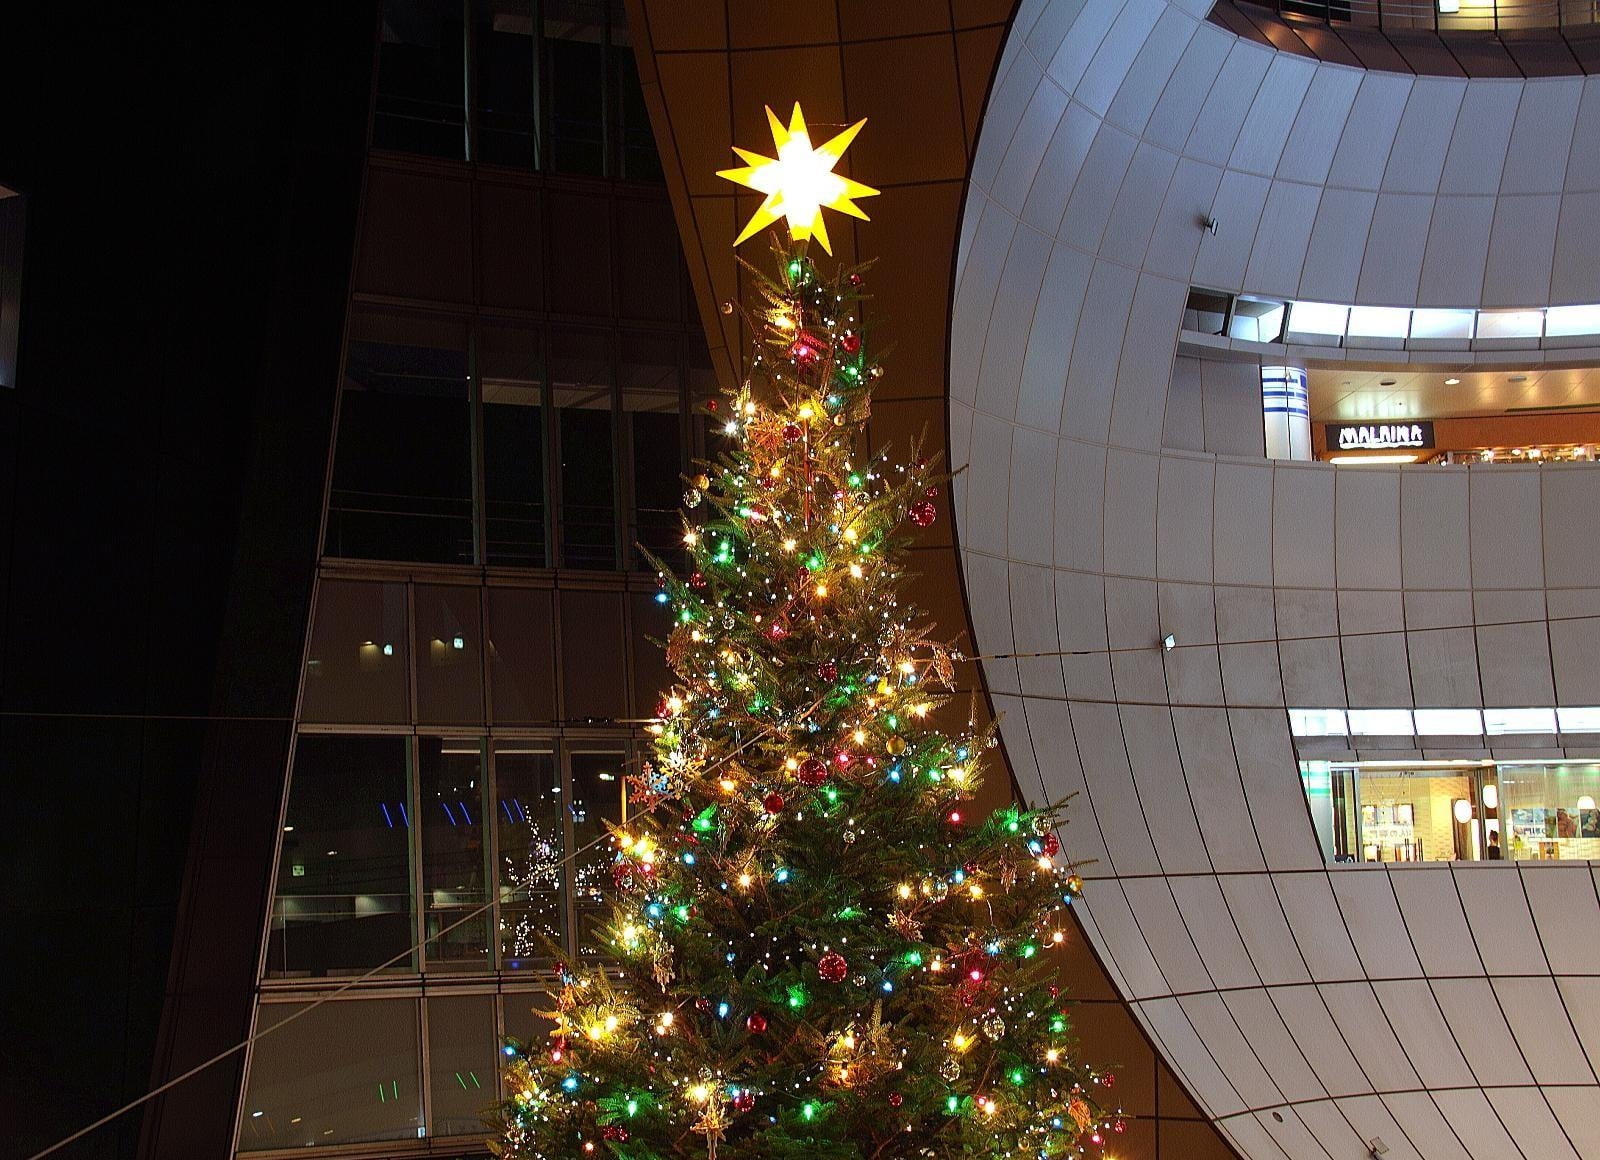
(1116, 493)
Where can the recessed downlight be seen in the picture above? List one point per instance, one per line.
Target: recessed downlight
(1452, 382)
(1387, 382)
(1516, 378)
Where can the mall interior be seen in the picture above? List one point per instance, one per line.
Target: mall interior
(352, 357)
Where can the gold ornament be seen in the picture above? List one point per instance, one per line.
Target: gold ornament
(799, 182)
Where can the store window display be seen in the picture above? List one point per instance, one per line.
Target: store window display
(1454, 811)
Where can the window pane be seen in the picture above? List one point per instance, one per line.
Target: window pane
(581, 378)
(1564, 321)
(356, 671)
(1459, 722)
(502, 49)
(573, 30)
(1510, 323)
(343, 900)
(1317, 722)
(1422, 816)
(419, 106)
(648, 371)
(1502, 721)
(1381, 722)
(451, 789)
(521, 656)
(345, 1071)
(1550, 811)
(509, 366)
(529, 825)
(463, 1057)
(402, 477)
(596, 799)
(449, 655)
(13, 211)
(521, 1019)
(640, 161)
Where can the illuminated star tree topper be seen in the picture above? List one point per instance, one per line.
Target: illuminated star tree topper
(800, 182)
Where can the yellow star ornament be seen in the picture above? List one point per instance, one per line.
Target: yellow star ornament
(800, 182)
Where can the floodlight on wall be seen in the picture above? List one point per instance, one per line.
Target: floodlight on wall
(1169, 642)
(1462, 809)
(1209, 224)
(1376, 1146)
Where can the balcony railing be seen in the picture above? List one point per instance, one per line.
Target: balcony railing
(1442, 15)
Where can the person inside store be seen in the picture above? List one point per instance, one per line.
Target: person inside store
(1493, 853)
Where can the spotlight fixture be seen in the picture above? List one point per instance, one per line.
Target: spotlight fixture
(1452, 382)
(1209, 224)
(1169, 642)
(1376, 1147)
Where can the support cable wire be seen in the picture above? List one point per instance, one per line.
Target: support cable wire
(348, 984)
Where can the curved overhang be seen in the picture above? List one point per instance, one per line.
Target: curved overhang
(1449, 1010)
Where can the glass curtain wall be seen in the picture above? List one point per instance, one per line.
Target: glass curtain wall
(533, 84)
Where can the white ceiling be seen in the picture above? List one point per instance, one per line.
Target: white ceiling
(1342, 393)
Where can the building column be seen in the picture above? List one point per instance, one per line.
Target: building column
(1286, 411)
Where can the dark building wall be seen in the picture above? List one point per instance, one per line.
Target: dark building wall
(192, 179)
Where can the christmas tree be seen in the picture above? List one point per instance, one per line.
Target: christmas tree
(817, 948)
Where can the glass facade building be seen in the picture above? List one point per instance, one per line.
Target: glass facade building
(521, 373)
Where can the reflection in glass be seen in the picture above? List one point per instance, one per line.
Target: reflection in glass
(462, 1063)
(343, 901)
(596, 799)
(531, 840)
(356, 665)
(449, 654)
(345, 1071)
(640, 161)
(451, 800)
(419, 102)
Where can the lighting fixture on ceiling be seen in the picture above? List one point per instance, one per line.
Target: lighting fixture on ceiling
(1373, 459)
(1452, 382)
(1169, 642)
(1387, 382)
(1491, 797)
(1516, 378)
(1462, 810)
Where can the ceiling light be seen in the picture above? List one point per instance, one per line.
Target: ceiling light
(1387, 382)
(1586, 802)
(1373, 459)
(1516, 378)
(1452, 382)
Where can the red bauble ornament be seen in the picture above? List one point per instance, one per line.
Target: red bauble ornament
(832, 968)
(1052, 845)
(757, 1023)
(697, 580)
(792, 432)
(971, 868)
(702, 1004)
(855, 279)
(842, 758)
(828, 671)
(614, 1132)
(1119, 1127)
(662, 708)
(773, 803)
(777, 630)
(923, 513)
(812, 772)
(850, 343)
(1108, 1080)
(896, 1099)
(745, 1100)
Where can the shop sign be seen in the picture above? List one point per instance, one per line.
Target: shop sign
(1379, 436)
